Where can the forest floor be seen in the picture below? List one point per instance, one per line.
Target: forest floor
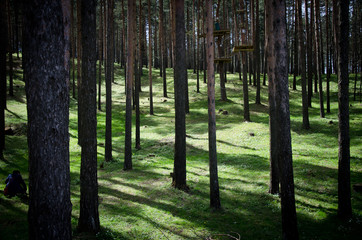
(141, 204)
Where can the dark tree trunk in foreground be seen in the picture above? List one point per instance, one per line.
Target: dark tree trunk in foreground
(344, 182)
(88, 216)
(109, 64)
(47, 94)
(214, 181)
(179, 171)
(302, 64)
(129, 79)
(3, 43)
(278, 84)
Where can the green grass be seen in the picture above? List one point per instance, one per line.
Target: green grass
(141, 204)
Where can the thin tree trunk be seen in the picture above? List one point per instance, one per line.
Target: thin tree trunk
(10, 51)
(79, 60)
(150, 56)
(309, 54)
(318, 56)
(73, 45)
(214, 182)
(327, 54)
(163, 49)
(129, 79)
(344, 175)
(3, 43)
(257, 53)
(302, 64)
(109, 63)
(49, 215)
(100, 54)
(138, 80)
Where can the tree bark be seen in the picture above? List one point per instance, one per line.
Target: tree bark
(318, 56)
(150, 56)
(308, 30)
(47, 94)
(214, 182)
(10, 51)
(302, 64)
(100, 54)
(257, 53)
(3, 43)
(245, 74)
(129, 79)
(88, 215)
(109, 73)
(327, 54)
(344, 175)
(278, 84)
(163, 49)
(179, 172)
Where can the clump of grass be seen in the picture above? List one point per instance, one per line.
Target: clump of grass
(141, 204)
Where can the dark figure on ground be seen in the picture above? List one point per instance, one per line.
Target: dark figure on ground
(15, 185)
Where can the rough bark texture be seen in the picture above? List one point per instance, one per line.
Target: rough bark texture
(3, 43)
(344, 182)
(302, 64)
(88, 216)
(179, 171)
(47, 94)
(278, 82)
(109, 63)
(214, 182)
(129, 79)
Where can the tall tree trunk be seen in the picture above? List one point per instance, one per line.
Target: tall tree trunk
(100, 54)
(257, 53)
(163, 49)
(109, 64)
(179, 171)
(129, 79)
(309, 54)
(302, 64)
(197, 49)
(327, 54)
(244, 63)
(296, 53)
(73, 45)
(318, 56)
(79, 60)
(47, 94)
(3, 43)
(138, 79)
(344, 175)
(278, 85)
(10, 51)
(88, 215)
(214, 180)
(150, 56)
